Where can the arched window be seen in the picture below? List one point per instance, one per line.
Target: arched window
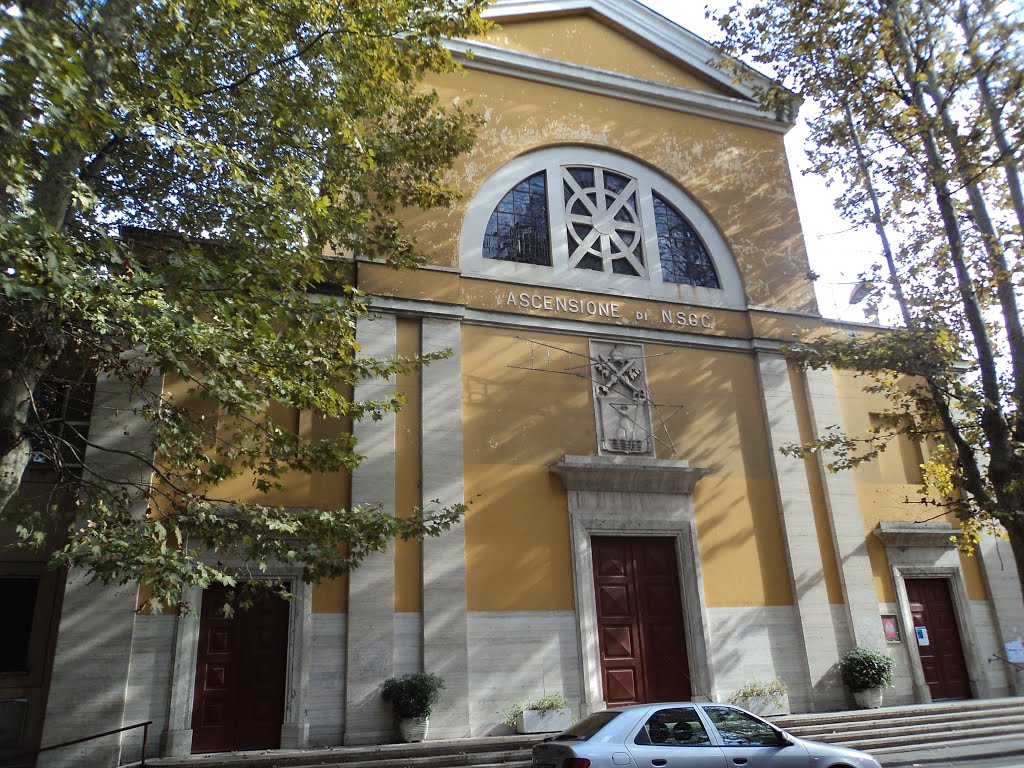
(594, 220)
(684, 258)
(518, 227)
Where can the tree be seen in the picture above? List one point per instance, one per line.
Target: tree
(920, 122)
(174, 172)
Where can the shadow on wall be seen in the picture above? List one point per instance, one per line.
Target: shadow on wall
(527, 655)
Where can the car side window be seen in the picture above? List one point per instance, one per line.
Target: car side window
(740, 729)
(675, 727)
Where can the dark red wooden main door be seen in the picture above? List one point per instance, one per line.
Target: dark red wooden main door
(942, 659)
(640, 620)
(240, 675)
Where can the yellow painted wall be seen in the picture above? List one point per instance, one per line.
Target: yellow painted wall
(738, 174)
(592, 43)
(408, 471)
(322, 491)
(883, 488)
(518, 420)
(516, 423)
(721, 427)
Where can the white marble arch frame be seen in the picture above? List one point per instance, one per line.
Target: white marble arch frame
(961, 607)
(550, 159)
(594, 485)
(177, 740)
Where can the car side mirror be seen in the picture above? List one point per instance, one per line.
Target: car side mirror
(784, 739)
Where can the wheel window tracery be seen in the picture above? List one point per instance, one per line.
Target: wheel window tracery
(605, 228)
(595, 220)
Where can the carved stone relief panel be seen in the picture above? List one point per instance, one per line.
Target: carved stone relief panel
(622, 402)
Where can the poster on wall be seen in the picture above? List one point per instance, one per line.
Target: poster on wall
(891, 628)
(1015, 651)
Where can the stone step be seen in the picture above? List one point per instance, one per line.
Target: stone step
(428, 754)
(903, 711)
(895, 729)
(928, 725)
(914, 741)
(879, 731)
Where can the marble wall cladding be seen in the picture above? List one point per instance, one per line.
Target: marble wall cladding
(90, 673)
(1001, 579)
(902, 691)
(989, 639)
(517, 656)
(325, 699)
(149, 683)
(762, 643)
(408, 643)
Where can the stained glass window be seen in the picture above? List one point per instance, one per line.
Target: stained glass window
(684, 258)
(518, 227)
(603, 221)
(597, 224)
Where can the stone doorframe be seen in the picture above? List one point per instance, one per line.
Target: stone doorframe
(634, 496)
(177, 739)
(928, 551)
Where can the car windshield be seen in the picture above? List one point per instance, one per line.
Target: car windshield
(588, 726)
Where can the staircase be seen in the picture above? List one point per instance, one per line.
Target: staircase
(490, 752)
(894, 729)
(879, 731)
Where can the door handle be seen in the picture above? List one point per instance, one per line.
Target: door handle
(739, 761)
(659, 762)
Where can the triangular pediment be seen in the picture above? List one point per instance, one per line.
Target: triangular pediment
(590, 41)
(617, 48)
(623, 36)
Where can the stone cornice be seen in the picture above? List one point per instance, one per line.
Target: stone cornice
(628, 474)
(491, 58)
(936, 535)
(641, 23)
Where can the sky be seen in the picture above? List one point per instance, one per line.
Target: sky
(837, 253)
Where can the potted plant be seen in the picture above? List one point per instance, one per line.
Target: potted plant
(548, 714)
(866, 671)
(412, 698)
(763, 698)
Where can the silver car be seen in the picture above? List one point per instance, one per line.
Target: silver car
(687, 735)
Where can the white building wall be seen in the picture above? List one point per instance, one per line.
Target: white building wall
(325, 697)
(516, 656)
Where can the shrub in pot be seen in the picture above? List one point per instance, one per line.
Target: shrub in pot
(548, 714)
(412, 699)
(763, 698)
(865, 672)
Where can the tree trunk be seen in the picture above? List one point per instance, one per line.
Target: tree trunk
(15, 449)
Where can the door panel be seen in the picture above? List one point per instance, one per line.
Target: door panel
(640, 621)
(675, 738)
(240, 675)
(942, 659)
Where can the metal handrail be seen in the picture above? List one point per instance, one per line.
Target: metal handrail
(145, 739)
(1014, 664)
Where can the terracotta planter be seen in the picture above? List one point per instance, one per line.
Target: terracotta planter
(869, 699)
(546, 721)
(413, 728)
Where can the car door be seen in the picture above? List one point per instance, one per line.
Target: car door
(749, 742)
(674, 737)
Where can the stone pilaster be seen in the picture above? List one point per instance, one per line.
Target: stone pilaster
(371, 600)
(445, 650)
(821, 645)
(848, 535)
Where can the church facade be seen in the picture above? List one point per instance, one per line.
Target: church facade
(616, 289)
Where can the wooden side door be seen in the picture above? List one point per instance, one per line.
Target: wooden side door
(640, 622)
(240, 675)
(942, 658)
